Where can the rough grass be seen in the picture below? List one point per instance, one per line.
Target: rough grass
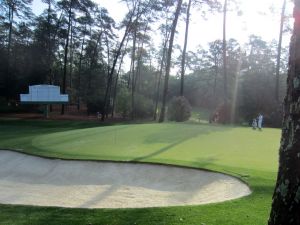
(242, 152)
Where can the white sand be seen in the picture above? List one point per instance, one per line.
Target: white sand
(33, 180)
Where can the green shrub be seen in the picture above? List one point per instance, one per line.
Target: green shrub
(123, 102)
(143, 107)
(179, 109)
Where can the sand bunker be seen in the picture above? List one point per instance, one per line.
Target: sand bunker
(33, 180)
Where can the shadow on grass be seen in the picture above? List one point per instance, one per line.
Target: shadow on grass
(26, 128)
(164, 149)
(51, 124)
(203, 162)
(174, 137)
(20, 134)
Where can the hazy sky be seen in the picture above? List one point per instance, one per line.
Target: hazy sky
(256, 18)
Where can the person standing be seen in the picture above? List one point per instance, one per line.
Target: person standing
(254, 124)
(259, 121)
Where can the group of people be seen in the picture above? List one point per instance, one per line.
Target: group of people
(257, 122)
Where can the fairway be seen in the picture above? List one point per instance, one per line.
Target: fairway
(239, 151)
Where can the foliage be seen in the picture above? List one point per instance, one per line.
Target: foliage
(33, 51)
(123, 103)
(251, 80)
(179, 109)
(143, 107)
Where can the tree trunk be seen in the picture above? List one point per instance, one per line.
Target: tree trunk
(79, 72)
(51, 80)
(279, 51)
(108, 55)
(138, 69)
(157, 83)
(55, 34)
(108, 70)
(137, 76)
(133, 71)
(159, 79)
(225, 52)
(116, 83)
(215, 81)
(137, 73)
(286, 197)
(66, 58)
(93, 59)
(184, 48)
(168, 66)
(118, 53)
(9, 74)
(109, 81)
(8, 67)
(71, 56)
(49, 46)
(11, 20)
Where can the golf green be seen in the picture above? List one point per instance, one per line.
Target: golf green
(250, 155)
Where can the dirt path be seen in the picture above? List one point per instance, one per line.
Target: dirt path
(33, 180)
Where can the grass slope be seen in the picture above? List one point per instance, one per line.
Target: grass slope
(242, 152)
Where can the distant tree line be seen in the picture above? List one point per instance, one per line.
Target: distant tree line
(77, 45)
(251, 79)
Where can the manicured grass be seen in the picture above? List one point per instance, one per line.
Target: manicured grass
(240, 151)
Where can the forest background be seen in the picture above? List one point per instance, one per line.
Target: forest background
(132, 68)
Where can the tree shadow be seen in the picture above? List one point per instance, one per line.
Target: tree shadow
(175, 138)
(164, 149)
(100, 197)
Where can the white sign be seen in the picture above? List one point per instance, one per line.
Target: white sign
(44, 94)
